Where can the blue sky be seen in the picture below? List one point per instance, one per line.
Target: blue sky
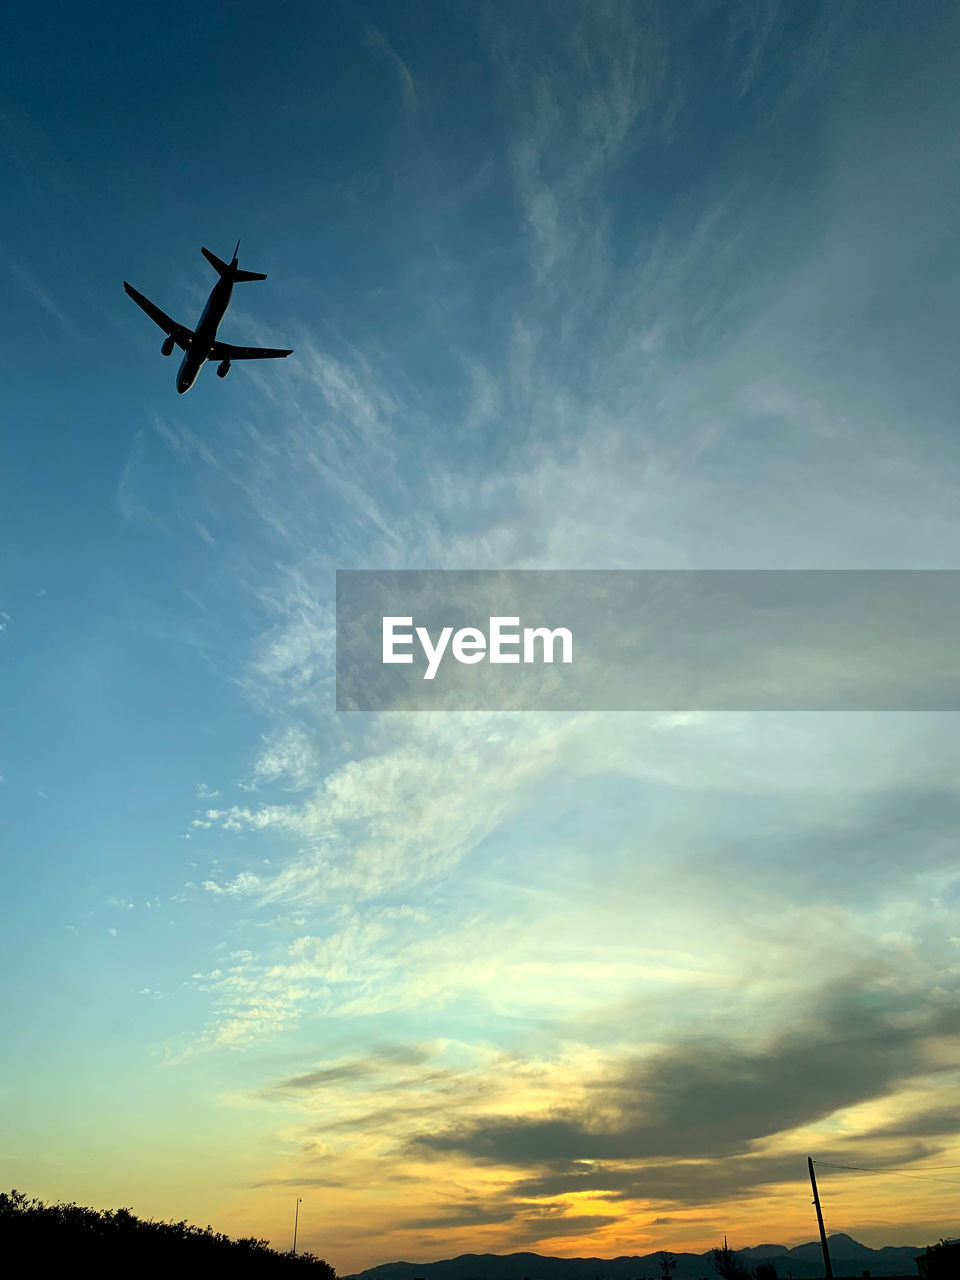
(569, 286)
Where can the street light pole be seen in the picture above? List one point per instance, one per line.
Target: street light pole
(296, 1219)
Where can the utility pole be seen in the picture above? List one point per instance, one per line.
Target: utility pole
(296, 1219)
(827, 1269)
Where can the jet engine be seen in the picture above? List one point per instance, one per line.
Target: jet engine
(223, 368)
(167, 347)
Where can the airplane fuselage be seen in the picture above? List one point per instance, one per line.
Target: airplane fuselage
(202, 344)
(206, 332)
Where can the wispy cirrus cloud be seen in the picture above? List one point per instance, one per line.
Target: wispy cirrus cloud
(669, 377)
(28, 281)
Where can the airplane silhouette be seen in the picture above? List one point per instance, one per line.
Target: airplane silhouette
(201, 344)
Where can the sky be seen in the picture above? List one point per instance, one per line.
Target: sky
(569, 285)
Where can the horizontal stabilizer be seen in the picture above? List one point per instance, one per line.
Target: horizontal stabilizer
(217, 263)
(249, 275)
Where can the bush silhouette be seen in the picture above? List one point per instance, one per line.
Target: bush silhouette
(46, 1239)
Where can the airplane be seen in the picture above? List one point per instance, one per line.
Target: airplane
(201, 344)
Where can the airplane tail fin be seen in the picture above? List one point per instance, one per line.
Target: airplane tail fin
(224, 269)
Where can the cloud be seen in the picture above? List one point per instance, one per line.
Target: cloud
(528, 1223)
(858, 850)
(408, 90)
(385, 1058)
(711, 1099)
(738, 883)
(290, 755)
(410, 811)
(942, 1121)
(130, 503)
(40, 295)
(674, 952)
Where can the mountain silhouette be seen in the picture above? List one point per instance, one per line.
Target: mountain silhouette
(804, 1261)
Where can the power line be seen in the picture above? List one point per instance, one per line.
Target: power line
(936, 1167)
(897, 1173)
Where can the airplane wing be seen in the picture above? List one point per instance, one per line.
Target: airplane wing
(224, 351)
(181, 335)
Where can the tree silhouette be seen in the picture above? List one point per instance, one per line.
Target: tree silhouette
(728, 1265)
(68, 1237)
